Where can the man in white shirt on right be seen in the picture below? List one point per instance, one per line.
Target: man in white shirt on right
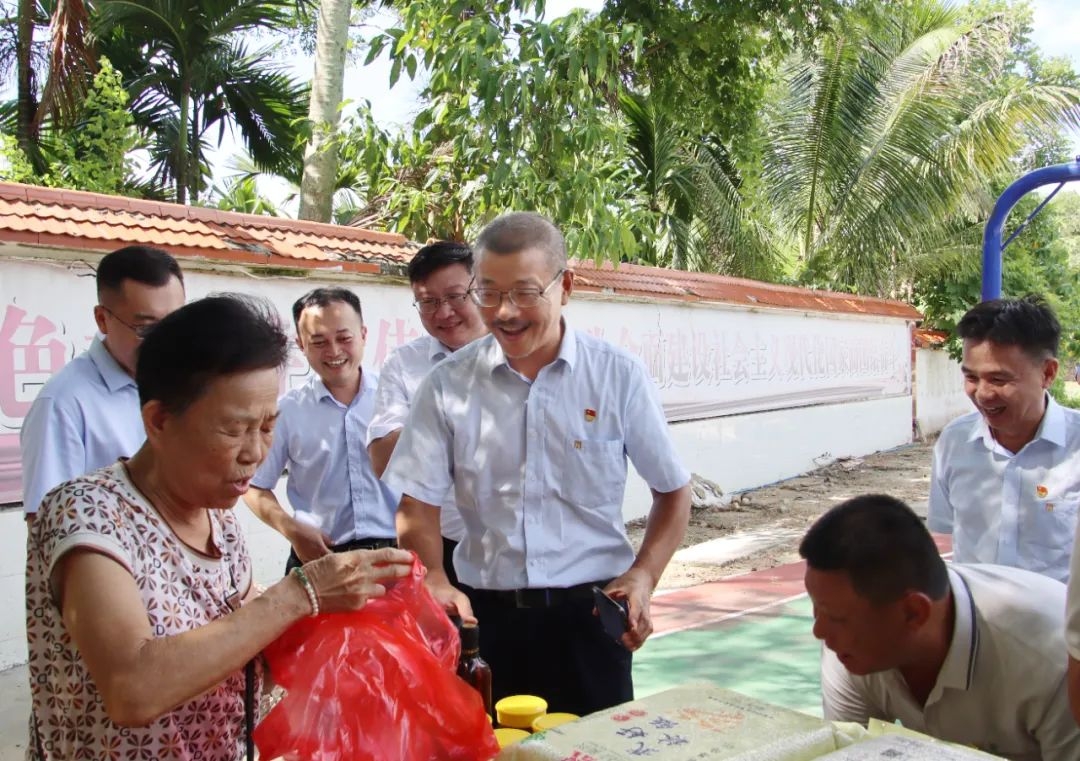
(439, 275)
(1005, 480)
(971, 654)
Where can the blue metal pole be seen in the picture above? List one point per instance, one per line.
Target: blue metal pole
(992, 247)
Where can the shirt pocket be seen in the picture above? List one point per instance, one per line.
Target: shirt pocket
(1051, 524)
(593, 472)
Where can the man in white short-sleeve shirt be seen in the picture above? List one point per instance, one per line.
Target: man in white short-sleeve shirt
(1005, 480)
(88, 414)
(971, 654)
(532, 426)
(439, 275)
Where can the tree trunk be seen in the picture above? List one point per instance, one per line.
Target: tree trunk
(182, 158)
(26, 100)
(321, 154)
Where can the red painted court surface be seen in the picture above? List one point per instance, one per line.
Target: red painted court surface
(750, 633)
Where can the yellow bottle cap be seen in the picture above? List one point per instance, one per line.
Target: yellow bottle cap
(508, 736)
(551, 720)
(519, 711)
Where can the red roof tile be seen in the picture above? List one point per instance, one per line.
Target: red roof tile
(652, 282)
(74, 220)
(924, 338)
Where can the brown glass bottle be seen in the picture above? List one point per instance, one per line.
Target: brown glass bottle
(472, 668)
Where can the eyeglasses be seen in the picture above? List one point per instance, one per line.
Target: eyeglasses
(523, 298)
(140, 331)
(432, 305)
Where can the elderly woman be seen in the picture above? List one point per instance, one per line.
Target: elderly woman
(140, 611)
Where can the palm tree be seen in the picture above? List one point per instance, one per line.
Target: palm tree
(698, 218)
(71, 61)
(64, 62)
(242, 194)
(888, 137)
(189, 73)
(26, 95)
(239, 191)
(665, 175)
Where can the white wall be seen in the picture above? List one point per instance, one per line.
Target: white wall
(711, 360)
(746, 451)
(939, 390)
(708, 360)
(12, 588)
(754, 395)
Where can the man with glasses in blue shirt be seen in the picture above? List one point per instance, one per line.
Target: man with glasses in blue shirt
(532, 427)
(439, 275)
(88, 414)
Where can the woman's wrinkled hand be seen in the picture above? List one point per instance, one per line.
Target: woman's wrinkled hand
(345, 581)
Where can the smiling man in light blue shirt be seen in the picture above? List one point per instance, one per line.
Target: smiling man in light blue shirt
(88, 415)
(338, 502)
(1005, 479)
(532, 426)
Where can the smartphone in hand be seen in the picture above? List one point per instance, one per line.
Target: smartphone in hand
(614, 614)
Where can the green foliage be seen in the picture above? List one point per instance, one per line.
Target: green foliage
(1036, 262)
(887, 138)
(190, 76)
(868, 165)
(708, 64)
(93, 155)
(1043, 258)
(1067, 204)
(15, 166)
(517, 116)
(96, 154)
(1060, 393)
(242, 194)
(694, 217)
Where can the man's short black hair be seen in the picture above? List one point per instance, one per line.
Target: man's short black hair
(1029, 323)
(324, 297)
(883, 546)
(207, 339)
(143, 264)
(435, 256)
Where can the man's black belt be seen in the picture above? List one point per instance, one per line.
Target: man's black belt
(364, 544)
(540, 597)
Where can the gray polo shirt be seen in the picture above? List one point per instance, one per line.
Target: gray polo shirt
(1002, 688)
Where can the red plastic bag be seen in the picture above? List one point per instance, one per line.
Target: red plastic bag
(379, 684)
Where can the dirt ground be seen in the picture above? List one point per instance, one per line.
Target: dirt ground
(778, 515)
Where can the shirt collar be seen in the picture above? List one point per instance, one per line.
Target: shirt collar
(1051, 427)
(567, 349)
(114, 376)
(437, 350)
(958, 670)
(319, 389)
(569, 346)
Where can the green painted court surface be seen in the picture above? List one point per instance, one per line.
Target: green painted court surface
(770, 655)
